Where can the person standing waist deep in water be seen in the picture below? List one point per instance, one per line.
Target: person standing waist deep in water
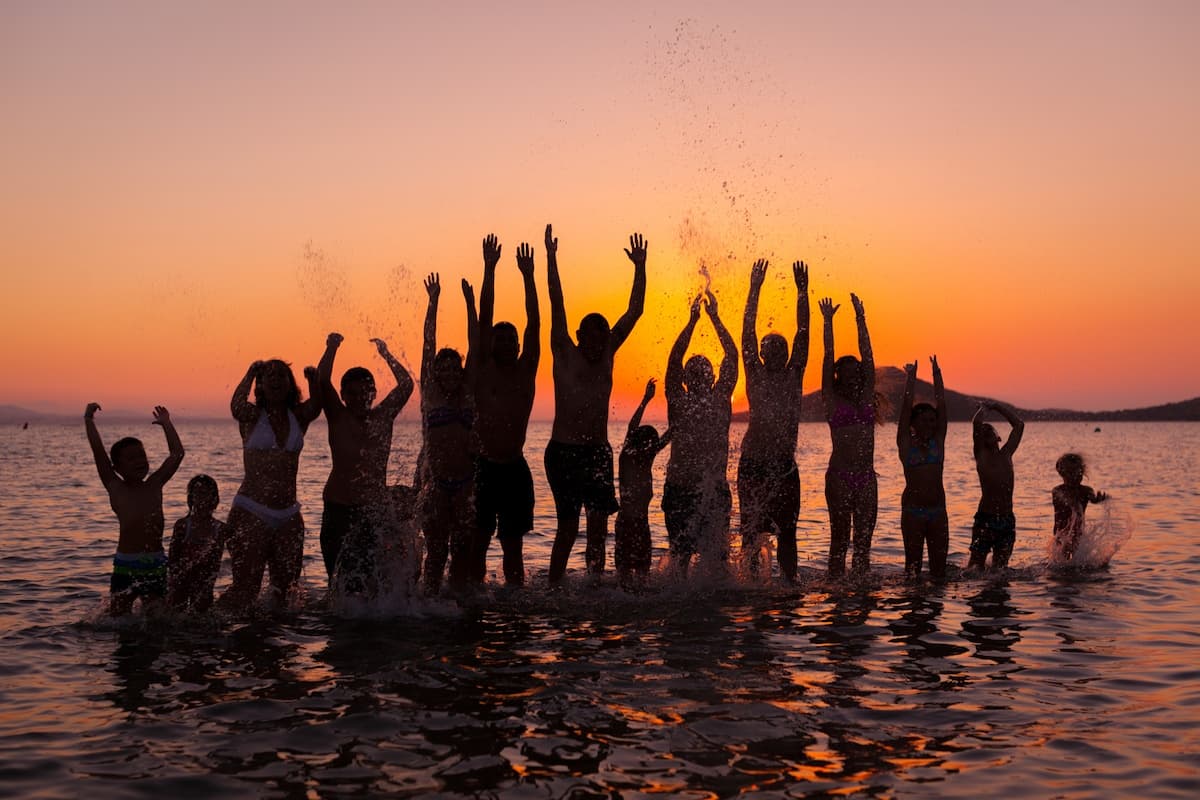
(504, 389)
(851, 492)
(579, 459)
(921, 440)
(768, 482)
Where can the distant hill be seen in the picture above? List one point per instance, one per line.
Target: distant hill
(889, 381)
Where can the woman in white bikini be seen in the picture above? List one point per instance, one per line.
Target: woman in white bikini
(265, 528)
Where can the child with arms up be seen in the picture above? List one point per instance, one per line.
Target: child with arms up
(135, 494)
(635, 472)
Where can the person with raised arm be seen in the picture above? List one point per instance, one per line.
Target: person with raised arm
(448, 448)
(504, 390)
(995, 527)
(921, 440)
(768, 481)
(265, 529)
(631, 550)
(135, 495)
(579, 459)
(356, 496)
(848, 395)
(696, 501)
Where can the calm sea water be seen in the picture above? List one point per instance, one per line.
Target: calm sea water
(1036, 684)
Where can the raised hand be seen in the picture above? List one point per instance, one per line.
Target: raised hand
(933, 361)
(637, 250)
(491, 251)
(551, 241)
(468, 292)
(334, 340)
(91, 410)
(828, 309)
(858, 306)
(310, 374)
(710, 302)
(800, 275)
(381, 346)
(911, 369)
(161, 415)
(525, 258)
(695, 312)
(433, 285)
(650, 384)
(758, 272)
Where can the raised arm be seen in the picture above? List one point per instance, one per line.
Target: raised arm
(174, 446)
(674, 376)
(472, 327)
(310, 409)
(636, 420)
(828, 309)
(728, 374)
(864, 349)
(329, 396)
(560, 337)
(240, 406)
(531, 346)
(103, 466)
(433, 287)
(799, 360)
(398, 396)
(904, 420)
(939, 399)
(758, 273)
(487, 292)
(637, 296)
(1018, 426)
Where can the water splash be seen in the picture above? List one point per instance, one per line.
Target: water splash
(1104, 534)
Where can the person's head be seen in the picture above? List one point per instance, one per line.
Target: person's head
(644, 438)
(448, 371)
(848, 377)
(774, 352)
(987, 439)
(1071, 467)
(358, 390)
(506, 345)
(923, 421)
(593, 335)
(276, 385)
(202, 495)
(128, 458)
(698, 375)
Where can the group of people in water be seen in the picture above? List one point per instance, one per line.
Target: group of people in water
(473, 483)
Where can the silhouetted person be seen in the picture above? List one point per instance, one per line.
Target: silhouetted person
(696, 500)
(447, 454)
(357, 499)
(636, 472)
(1071, 498)
(848, 394)
(266, 529)
(767, 479)
(921, 440)
(504, 389)
(135, 495)
(995, 528)
(197, 542)
(579, 460)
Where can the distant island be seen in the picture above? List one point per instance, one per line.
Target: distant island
(889, 381)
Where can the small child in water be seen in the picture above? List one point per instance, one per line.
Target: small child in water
(139, 566)
(197, 542)
(1071, 500)
(635, 473)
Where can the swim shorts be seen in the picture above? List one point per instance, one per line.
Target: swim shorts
(581, 476)
(769, 495)
(504, 497)
(993, 532)
(139, 574)
(690, 513)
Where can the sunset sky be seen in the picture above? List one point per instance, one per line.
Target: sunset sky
(185, 188)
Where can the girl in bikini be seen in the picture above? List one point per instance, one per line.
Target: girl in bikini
(848, 394)
(448, 450)
(921, 439)
(265, 527)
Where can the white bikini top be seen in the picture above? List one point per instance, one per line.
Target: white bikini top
(263, 435)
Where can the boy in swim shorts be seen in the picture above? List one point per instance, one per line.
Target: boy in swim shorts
(995, 528)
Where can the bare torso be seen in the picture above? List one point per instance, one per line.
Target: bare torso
(359, 448)
(774, 416)
(995, 470)
(582, 390)
(503, 402)
(700, 439)
(138, 507)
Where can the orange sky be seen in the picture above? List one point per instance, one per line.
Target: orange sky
(187, 189)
